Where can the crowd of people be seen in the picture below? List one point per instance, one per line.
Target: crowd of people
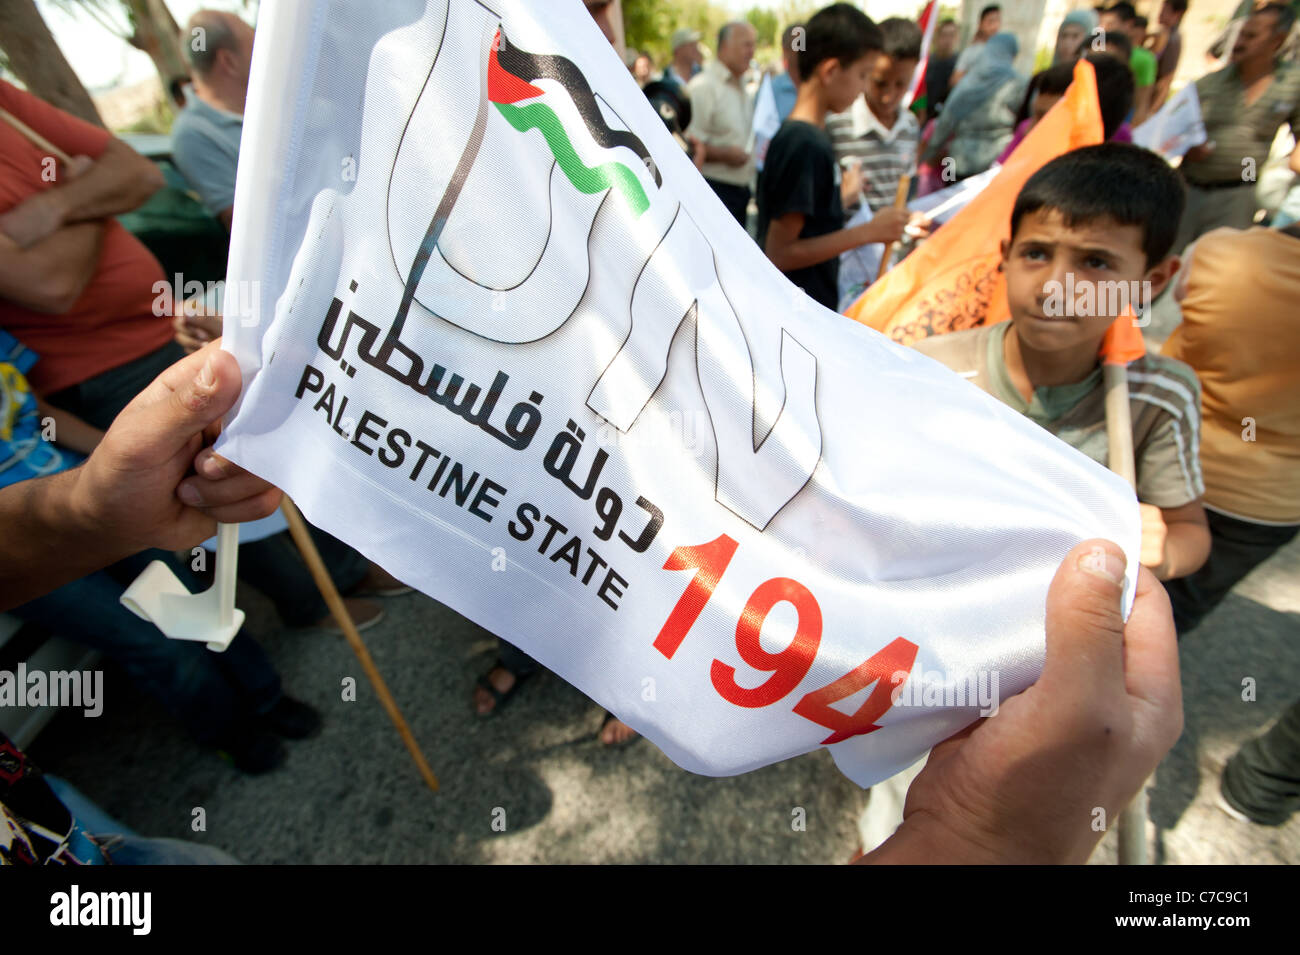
(109, 406)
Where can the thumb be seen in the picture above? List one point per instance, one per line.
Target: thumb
(181, 403)
(1085, 626)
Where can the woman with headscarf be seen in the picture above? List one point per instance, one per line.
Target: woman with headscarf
(979, 118)
(1075, 28)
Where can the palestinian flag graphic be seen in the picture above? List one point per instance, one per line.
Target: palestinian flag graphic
(511, 73)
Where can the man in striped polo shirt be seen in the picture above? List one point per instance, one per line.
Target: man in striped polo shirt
(1243, 105)
(1089, 221)
(877, 132)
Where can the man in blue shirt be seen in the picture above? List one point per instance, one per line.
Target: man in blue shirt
(785, 86)
(205, 138)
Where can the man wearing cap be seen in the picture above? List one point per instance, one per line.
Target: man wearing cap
(722, 113)
(686, 60)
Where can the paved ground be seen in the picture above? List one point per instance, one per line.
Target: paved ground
(352, 795)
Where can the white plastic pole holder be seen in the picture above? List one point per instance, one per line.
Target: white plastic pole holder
(210, 617)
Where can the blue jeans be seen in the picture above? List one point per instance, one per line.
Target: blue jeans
(137, 850)
(211, 693)
(274, 567)
(122, 845)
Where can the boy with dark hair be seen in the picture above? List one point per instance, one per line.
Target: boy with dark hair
(1113, 43)
(1123, 18)
(876, 134)
(1091, 234)
(800, 198)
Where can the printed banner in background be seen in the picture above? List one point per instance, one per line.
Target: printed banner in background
(499, 335)
(766, 122)
(1176, 127)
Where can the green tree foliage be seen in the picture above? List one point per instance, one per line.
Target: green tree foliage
(766, 24)
(649, 24)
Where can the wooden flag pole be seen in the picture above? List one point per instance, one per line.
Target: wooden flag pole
(1122, 345)
(1119, 434)
(325, 583)
(900, 202)
(35, 138)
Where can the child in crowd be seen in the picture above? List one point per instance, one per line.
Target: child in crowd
(800, 198)
(1098, 222)
(876, 134)
(1046, 89)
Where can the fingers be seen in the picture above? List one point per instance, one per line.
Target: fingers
(79, 165)
(184, 334)
(918, 226)
(1085, 630)
(180, 403)
(250, 509)
(219, 483)
(201, 493)
(1151, 656)
(943, 750)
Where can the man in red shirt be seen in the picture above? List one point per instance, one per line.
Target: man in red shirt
(75, 286)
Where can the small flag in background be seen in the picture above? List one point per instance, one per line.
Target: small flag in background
(916, 93)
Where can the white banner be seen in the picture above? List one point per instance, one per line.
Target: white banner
(508, 343)
(1176, 127)
(766, 123)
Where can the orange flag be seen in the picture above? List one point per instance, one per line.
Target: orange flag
(1123, 342)
(951, 282)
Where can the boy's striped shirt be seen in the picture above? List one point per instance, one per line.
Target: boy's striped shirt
(886, 154)
(1164, 397)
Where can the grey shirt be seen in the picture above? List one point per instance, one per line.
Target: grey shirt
(1164, 401)
(205, 148)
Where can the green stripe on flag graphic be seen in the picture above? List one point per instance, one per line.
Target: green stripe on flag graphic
(586, 179)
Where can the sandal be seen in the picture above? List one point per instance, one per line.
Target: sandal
(611, 718)
(500, 699)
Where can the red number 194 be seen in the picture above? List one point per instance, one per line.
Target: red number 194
(888, 668)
